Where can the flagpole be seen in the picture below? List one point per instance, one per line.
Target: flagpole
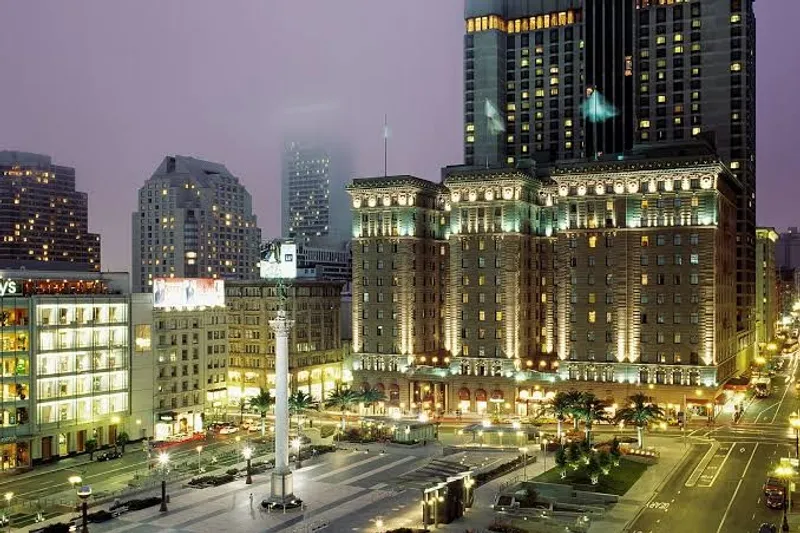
(385, 146)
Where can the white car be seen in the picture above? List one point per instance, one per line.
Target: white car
(227, 430)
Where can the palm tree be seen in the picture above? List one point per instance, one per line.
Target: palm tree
(574, 399)
(342, 399)
(369, 397)
(300, 402)
(640, 413)
(561, 406)
(261, 403)
(591, 410)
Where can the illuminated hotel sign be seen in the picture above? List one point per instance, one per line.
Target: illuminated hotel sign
(8, 287)
(279, 260)
(188, 292)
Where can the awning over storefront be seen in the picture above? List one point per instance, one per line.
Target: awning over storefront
(169, 416)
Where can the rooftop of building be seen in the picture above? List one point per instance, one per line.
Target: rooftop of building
(517, 8)
(26, 159)
(402, 180)
(287, 282)
(178, 167)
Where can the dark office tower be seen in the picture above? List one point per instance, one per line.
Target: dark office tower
(195, 220)
(313, 197)
(43, 219)
(608, 100)
(696, 75)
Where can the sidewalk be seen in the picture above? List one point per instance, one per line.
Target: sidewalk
(629, 505)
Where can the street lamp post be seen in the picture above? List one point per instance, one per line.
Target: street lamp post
(248, 455)
(297, 443)
(524, 451)
(379, 525)
(794, 420)
(199, 451)
(8, 497)
(785, 473)
(163, 462)
(545, 442)
(83, 493)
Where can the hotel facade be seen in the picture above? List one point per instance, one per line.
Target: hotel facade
(492, 290)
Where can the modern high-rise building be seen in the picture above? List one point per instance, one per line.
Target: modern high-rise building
(561, 79)
(767, 304)
(491, 290)
(787, 249)
(195, 220)
(44, 221)
(313, 198)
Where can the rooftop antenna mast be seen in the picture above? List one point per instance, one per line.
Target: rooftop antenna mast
(385, 146)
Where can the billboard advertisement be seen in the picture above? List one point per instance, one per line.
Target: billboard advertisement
(188, 292)
(279, 260)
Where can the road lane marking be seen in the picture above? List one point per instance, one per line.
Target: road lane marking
(719, 468)
(785, 391)
(765, 410)
(738, 486)
(698, 471)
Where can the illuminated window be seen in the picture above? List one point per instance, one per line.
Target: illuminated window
(524, 62)
(678, 37)
(645, 76)
(568, 123)
(554, 80)
(644, 278)
(470, 127)
(593, 241)
(661, 98)
(470, 138)
(498, 316)
(481, 315)
(696, 47)
(568, 145)
(539, 93)
(644, 123)
(525, 95)
(645, 241)
(678, 121)
(677, 50)
(592, 298)
(592, 317)
(661, 39)
(509, 160)
(695, 201)
(645, 203)
(695, 131)
(736, 67)
(734, 164)
(736, 18)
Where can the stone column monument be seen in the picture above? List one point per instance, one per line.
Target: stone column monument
(281, 494)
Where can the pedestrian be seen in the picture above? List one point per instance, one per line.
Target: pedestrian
(251, 499)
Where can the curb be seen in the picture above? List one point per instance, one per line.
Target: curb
(660, 486)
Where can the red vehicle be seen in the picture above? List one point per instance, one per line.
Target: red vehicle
(774, 493)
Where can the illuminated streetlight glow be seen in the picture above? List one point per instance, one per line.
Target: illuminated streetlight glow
(163, 458)
(74, 480)
(247, 453)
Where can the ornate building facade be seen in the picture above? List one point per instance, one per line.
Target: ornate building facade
(491, 290)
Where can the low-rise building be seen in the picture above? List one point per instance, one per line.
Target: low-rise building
(315, 345)
(65, 351)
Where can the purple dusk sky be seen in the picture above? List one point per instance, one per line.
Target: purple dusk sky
(113, 87)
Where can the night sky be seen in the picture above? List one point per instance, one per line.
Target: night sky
(112, 87)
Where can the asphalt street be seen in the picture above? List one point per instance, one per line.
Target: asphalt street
(718, 488)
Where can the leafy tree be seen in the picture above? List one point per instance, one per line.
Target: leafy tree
(91, 447)
(604, 460)
(562, 461)
(342, 399)
(614, 452)
(262, 402)
(122, 440)
(299, 403)
(591, 410)
(574, 454)
(593, 469)
(641, 412)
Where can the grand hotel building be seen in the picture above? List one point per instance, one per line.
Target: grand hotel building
(496, 287)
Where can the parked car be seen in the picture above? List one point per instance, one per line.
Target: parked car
(767, 528)
(109, 455)
(228, 430)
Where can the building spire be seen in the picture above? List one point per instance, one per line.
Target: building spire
(385, 146)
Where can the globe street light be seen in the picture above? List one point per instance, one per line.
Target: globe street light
(199, 451)
(296, 443)
(545, 442)
(248, 455)
(163, 463)
(83, 493)
(8, 496)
